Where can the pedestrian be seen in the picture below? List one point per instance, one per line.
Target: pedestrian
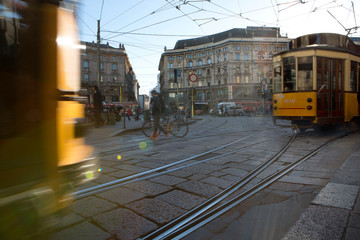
(156, 112)
(98, 106)
(129, 113)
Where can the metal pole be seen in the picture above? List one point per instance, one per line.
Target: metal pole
(98, 54)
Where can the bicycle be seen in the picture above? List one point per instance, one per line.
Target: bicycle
(177, 127)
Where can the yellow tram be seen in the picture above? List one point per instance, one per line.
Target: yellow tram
(43, 155)
(316, 82)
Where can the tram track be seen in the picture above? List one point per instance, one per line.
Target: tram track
(175, 166)
(229, 198)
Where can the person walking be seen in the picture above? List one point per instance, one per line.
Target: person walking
(156, 112)
(98, 106)
(129, 114)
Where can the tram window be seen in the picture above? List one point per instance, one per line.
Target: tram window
(277, 77)
(305, 73)
(353, 76)
(289, 74)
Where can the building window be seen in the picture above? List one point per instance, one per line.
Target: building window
(199, 73)
(86, 77)
(209, 61)
(171, 75)
(199, 54)
(189, 56)
(179, 57)
(172, 85)
(101, 78)
(114, 57)
(101, 66)
(218, 59)
(246, 48)
(199, 63)
(114, 78)
(171, 66)
(171, 58)
(238, 56)
(190, 64)
(237, 79)
(114, 66)
(246, 56)
(86, 64)
(225, 58)
(208, 71)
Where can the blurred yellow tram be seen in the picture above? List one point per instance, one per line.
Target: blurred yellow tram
(316, 82)
(43, 155)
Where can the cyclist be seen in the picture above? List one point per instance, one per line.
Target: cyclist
(157, 108)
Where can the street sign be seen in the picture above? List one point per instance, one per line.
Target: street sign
(193, 77)
(263, 82)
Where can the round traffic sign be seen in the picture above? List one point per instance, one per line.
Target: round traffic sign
(193, 77)
(263, 82)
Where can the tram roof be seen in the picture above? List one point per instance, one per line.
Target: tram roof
(325, 41)
(248, 32)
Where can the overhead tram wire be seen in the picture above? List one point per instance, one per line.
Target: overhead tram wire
(86, 25)
(154, 24)
(101, 11)
(153, 34)
(132, 7)
(153, 12)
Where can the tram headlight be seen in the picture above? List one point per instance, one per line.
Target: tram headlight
(309, 100)
(309, 107)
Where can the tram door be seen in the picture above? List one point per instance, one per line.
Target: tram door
(330, 87)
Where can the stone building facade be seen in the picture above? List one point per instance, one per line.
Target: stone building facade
(117, 79)
(235, 65)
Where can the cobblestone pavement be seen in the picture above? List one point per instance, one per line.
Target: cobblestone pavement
(317, 200)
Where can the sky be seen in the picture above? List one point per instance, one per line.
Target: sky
(145, 27)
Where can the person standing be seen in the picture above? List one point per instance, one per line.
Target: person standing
(156, 112)
(98, 107)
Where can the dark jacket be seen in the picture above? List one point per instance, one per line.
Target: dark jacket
(156, 105)
(98, 102)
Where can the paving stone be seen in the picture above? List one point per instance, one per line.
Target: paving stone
(291, 187)
(199, 188)
(355, 221)
(182, 199)
(197, 177)
(91, 206)
(131, 167)
(68, 218)
(121, 173)
(104, 179)
(82, 231)
(311, 174)
(121, 195)
(168, 180)
(149, 188)
(320, 223)
(303, 180)
(156, 210)
(337, 195)
(352, 233)
(125, 224)
(217, 182)
(235, 172)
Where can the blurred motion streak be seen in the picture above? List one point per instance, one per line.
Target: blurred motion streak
(43, 155)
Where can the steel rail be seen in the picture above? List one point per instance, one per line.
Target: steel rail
(200, 209)
(210, 215)
(106, 186)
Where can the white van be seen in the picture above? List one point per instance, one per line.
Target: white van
(230, 104)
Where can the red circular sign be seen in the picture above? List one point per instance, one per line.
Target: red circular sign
(193, 77)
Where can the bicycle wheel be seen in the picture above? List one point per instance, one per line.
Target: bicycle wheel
(178, 128)
(148, 128)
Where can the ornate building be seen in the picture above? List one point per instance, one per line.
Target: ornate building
(117, 78)
(235, 65)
